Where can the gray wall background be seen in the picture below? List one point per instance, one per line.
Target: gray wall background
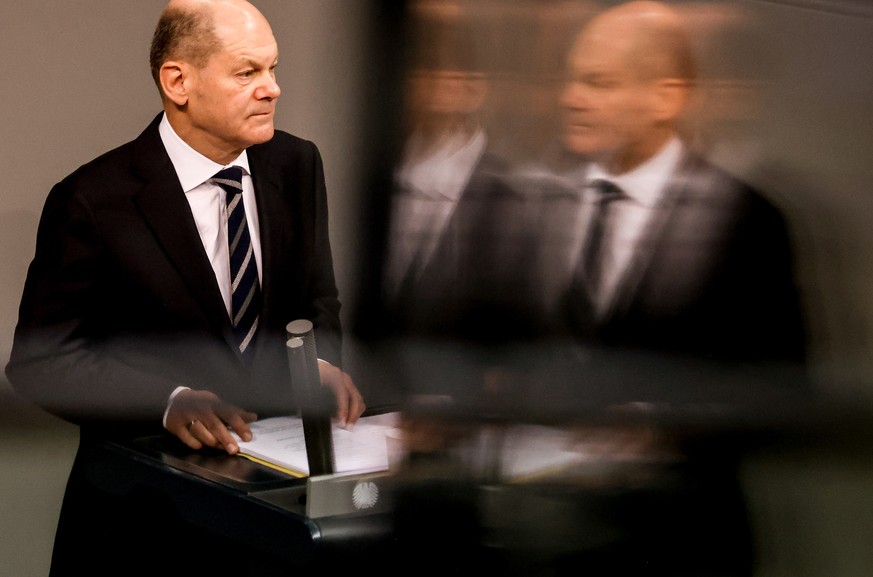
(75, 83)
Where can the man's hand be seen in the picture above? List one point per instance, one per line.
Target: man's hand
(349, 402)
(200, 418)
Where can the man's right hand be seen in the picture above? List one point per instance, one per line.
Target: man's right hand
(201, 418)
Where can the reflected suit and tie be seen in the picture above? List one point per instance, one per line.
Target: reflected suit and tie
(668, 291)
(447, 288)
(694, 262)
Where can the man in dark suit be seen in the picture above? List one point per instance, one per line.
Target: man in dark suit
(669, 289)
(127, 319)
(454, 224)
(692, 261)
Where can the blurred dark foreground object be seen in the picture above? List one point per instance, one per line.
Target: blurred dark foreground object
(646, 490)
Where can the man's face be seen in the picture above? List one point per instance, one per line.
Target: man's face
(232, 99)
(607, 106)
(443, 94)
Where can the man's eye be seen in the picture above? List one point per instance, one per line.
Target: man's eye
(246, 73)
(601, 83)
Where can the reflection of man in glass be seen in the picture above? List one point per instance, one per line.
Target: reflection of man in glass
(447, 291)
(691, 287)
(445, 142)
(449, 224)
(691, 260)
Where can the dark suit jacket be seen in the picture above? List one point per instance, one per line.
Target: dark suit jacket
(709, 309)
(120, 304)
(712, 276)
(460, 291)
(446, 323)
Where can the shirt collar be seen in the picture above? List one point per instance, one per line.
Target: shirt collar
(645, 183)
(443, 175)
(192, 168)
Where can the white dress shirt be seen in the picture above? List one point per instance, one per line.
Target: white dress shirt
(644, 187)
(429, 191)
(209, 208)
(208, 205)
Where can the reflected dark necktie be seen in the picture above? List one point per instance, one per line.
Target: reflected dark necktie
(245, 288)
(596, 248)
(583, 297)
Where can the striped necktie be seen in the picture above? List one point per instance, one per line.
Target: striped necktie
(245, 288)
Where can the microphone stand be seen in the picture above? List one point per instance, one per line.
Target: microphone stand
(315, 409)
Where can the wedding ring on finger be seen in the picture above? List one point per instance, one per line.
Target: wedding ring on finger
(190, 424)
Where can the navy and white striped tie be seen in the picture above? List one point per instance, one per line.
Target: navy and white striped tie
(245, 288)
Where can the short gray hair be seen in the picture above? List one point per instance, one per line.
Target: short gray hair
(183, 34)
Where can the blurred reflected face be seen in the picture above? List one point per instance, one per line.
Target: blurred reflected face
(437, 92)
(232, 100)
(607, 107)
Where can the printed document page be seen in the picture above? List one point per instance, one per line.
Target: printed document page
(279, 442)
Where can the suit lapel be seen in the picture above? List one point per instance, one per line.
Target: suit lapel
(652, 240)
(273, 224)
(164, 207)
(456, 245)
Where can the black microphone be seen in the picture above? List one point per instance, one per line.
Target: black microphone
(315, 410)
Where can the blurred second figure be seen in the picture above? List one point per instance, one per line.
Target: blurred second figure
(455, 225)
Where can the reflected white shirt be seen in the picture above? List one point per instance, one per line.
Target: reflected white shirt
(644, 187)
(429, 191)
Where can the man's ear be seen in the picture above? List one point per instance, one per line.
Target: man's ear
(671, 98)
(173, 76)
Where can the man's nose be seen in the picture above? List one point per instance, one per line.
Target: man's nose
(574, 95)
(269, 88)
